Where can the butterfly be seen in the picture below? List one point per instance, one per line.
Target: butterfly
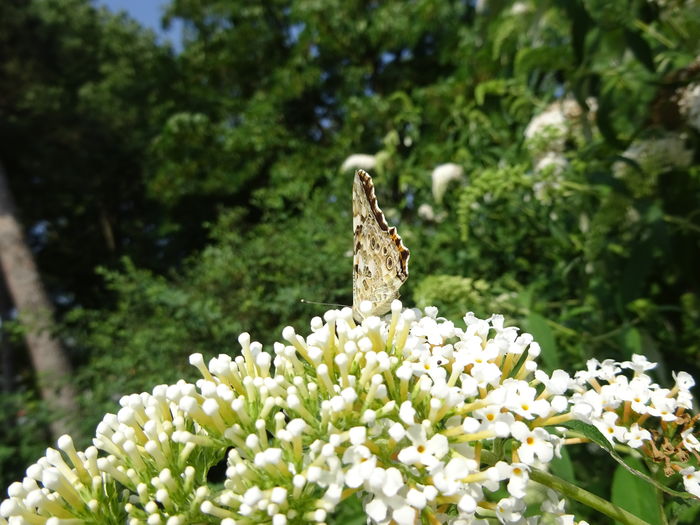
(380, 261)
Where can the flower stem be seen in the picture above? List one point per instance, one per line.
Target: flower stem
(587, 498)
(572, 491)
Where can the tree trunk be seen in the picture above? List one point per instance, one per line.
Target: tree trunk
(35, 312)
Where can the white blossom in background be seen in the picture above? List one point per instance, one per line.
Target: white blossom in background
(653, 156)
(552, 162)
(549, 130)
(427, 213)
(421, 418)
(362, 161)
(442, 175)
(550, 125)
(520, 8)
(548, 175)
(546, 137)
(689, 105)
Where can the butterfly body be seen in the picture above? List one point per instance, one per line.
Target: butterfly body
(380, 259)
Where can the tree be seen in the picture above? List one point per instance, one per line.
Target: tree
(82, 93)
(35, 311)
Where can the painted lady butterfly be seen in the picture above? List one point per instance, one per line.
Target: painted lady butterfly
(380, 257)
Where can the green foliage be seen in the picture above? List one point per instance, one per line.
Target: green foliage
(83, 93)
(644, 504)
(244, 130)
(455, 295)
(537, 326)
(349, 512)
(23, 432)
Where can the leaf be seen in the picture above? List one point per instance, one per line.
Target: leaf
(636, 271)
(544, 58)
(496, 87)
(632, 342)
(580, 25)
(538, 327)
(634, 495)
(563, 467)
(604, 120)
(605, 178)
(641, 49)
(684, 511)
(589, 431)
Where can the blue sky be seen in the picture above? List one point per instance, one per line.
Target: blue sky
(148, 13)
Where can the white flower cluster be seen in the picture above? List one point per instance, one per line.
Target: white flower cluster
(549, 168)
(427, 213)
(359, 160)
(652, 156)
(546, 136)
(689, 105)
(442, 175)
(424, 419)
(549, 130)
(550, 125)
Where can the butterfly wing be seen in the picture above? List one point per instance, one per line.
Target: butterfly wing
(380, 262)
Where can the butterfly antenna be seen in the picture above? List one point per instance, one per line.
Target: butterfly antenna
(322, 304)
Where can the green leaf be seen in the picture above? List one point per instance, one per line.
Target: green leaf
(636, 271)
(605, 178)
(684, 511)
(635, 495)
(592, 433)
(491, 87)
(349, 512)
(563, 467)
(581, 23)
(604, 116)
(632, 342)
(538, 327)
(641, 49)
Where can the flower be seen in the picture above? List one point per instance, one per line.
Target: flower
(548, 131)
(652, 156)
(690, 441)
(517, 475)
(689, 104)
(418, 416)
(552, 162)
(533, 443)
(549, 125)
(510, 510)
(442, 175)
(557, 507)
(611, 431)
(520, 400)
(426, 212)
(691, 480)
(636, 436)
(423, 451)
(520, 8)
(359, 160)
